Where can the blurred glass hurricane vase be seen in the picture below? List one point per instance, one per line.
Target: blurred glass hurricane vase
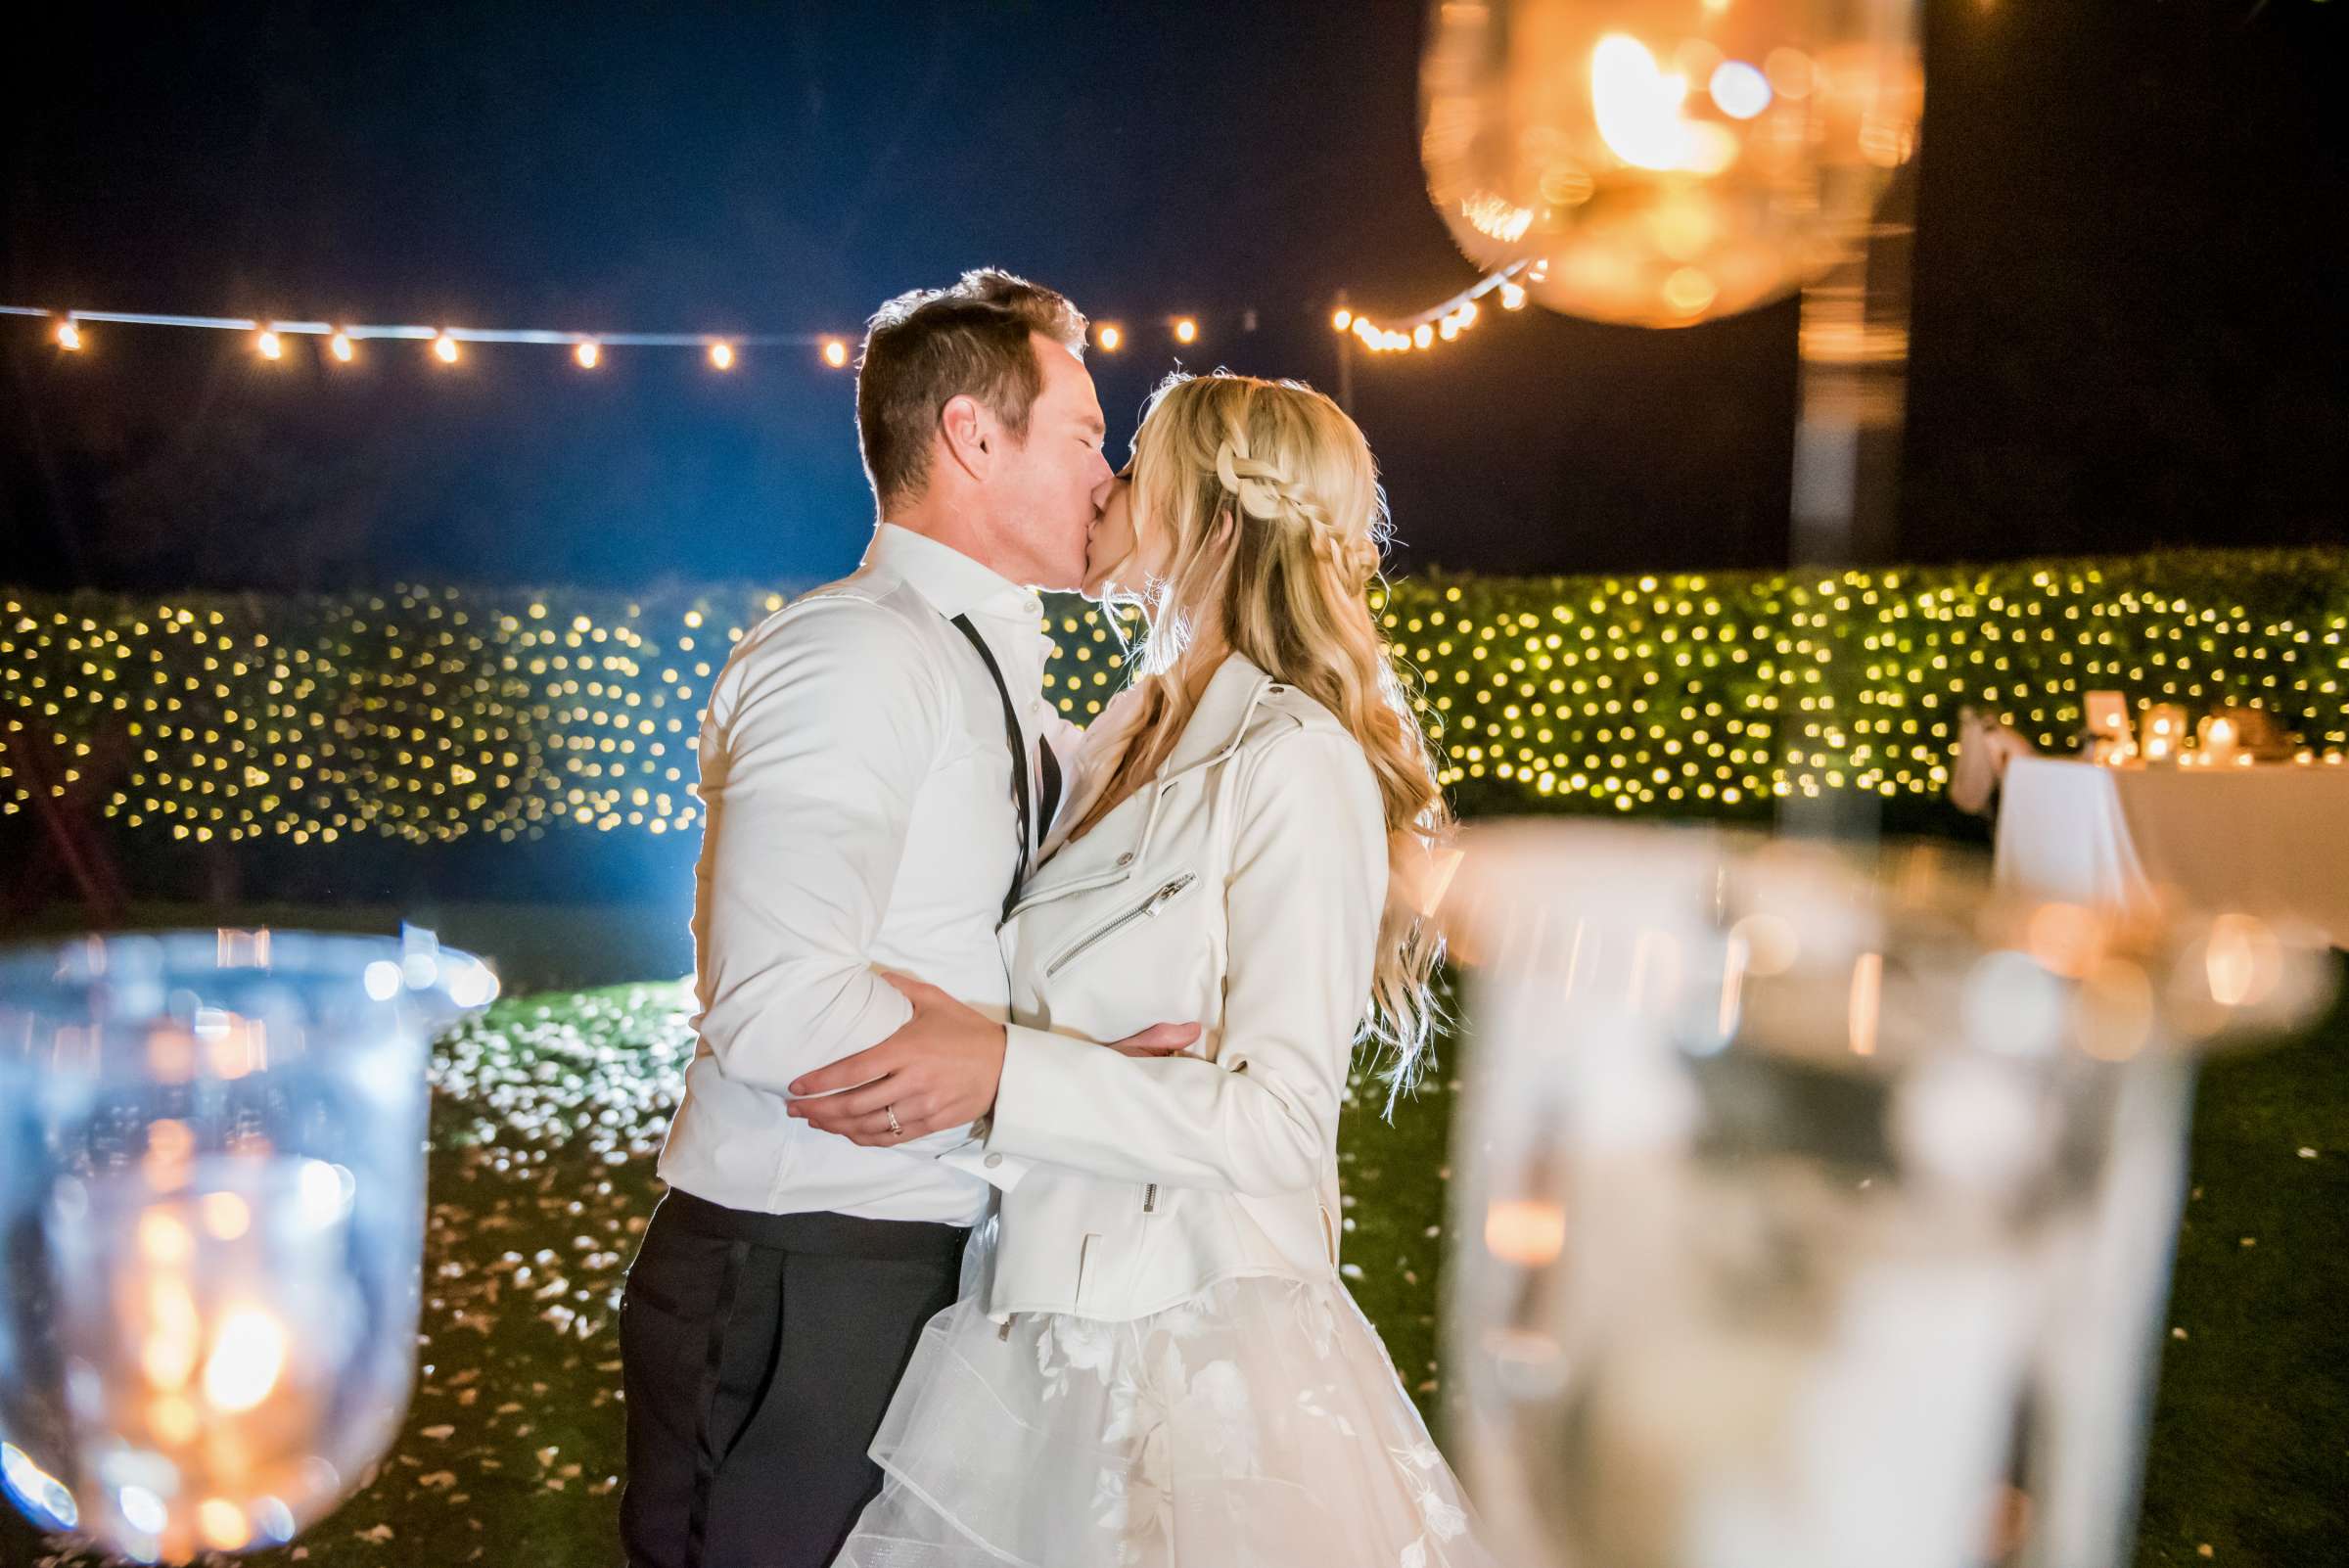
(1662, 163)
(212, 1206)
(1816, 1215)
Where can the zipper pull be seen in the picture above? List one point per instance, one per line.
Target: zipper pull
(1159, 900)
(1150, 1198)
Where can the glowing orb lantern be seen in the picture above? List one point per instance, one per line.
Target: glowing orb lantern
(1661, 162)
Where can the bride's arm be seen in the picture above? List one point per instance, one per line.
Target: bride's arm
(1306, 884)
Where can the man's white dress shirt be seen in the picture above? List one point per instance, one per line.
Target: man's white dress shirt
(859, 817)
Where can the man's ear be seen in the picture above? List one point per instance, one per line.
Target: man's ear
(969, 434)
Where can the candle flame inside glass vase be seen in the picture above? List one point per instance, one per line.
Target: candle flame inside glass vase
(1661, 164)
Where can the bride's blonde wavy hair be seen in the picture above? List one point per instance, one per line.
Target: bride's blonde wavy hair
(1270, 501)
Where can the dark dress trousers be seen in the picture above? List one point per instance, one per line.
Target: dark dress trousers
(758, 1354)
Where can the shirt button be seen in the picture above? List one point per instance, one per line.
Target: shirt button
(993, 1160)
(1127, 858)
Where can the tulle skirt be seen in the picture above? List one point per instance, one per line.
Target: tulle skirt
(1258, 1425)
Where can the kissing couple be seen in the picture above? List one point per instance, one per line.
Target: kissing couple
(1003, 1223)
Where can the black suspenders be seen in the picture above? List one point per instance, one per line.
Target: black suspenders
(1018, 741)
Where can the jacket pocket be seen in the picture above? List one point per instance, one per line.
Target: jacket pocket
(1165, 894)
(1088, 1267)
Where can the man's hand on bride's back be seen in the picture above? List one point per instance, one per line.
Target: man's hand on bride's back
(939, 1069)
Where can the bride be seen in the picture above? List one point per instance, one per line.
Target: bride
(1153, 1361)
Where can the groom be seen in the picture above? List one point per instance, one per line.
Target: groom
(875, 781)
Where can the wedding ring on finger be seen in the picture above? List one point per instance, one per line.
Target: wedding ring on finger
(896, 1130)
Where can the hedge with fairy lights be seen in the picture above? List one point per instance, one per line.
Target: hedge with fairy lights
(436, 713)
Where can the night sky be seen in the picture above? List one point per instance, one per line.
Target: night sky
(2128, 323)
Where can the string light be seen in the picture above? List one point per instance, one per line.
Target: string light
(434, 714)
(344, 338)
(1446, 320)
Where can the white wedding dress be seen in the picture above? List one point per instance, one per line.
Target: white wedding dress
(1258, 1424)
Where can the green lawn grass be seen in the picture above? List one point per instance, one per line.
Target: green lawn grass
(548, 1110)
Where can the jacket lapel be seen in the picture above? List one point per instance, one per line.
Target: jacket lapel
(1121, 841)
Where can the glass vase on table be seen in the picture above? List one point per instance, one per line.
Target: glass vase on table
(211, 1205)
(1817, 1213)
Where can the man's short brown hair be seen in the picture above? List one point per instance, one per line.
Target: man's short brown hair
(926, 347)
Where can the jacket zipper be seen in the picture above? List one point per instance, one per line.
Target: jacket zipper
(1143, 911)
(1150, 1198)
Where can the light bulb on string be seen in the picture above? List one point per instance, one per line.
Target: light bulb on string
(836, 353)
(1342, 319)
(445, 347)
(1185, 330)
(588, 352)
(268, 345)
(721, 355)
(1111, 339)
(1624, 152)
(68, 336)
(340, 347)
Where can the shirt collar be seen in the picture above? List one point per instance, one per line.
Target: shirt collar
(953, 583)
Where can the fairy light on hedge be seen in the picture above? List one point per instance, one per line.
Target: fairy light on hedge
(434, 714)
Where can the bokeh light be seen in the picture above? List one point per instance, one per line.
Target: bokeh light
(431, 714)
(1576, 139)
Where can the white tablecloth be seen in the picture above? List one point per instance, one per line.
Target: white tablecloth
(2272, 839)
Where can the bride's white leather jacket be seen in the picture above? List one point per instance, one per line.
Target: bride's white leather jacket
(1239, 890)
